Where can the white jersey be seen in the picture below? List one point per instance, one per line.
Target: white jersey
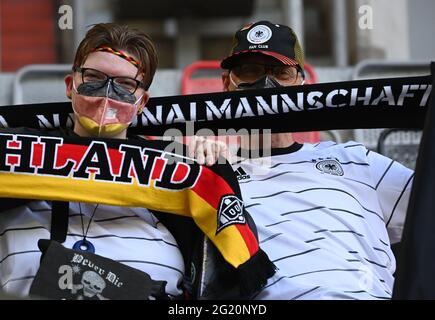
(132, 236)
(326, 215)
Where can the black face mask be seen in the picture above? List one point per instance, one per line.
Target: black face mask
(107, 89)
(262, 83)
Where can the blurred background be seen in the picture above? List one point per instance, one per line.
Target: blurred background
(190, 30)
(342, 39)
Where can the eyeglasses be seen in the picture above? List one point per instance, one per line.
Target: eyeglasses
(91, 75)
(254, 71)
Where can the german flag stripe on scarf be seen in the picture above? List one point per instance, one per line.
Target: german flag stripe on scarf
(135, 173)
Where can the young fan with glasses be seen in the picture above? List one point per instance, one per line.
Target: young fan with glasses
(112, 71)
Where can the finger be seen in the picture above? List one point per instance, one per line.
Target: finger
(219, 149)
(199, 152)
(230, 148)
(232, 154)
(210, 152)
(193, 143)
(191, 146)
(222, 148)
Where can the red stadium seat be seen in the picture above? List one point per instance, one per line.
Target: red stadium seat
(210, 82)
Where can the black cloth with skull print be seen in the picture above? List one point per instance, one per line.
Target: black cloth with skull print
(79, 275)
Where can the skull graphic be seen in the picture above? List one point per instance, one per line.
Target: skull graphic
(92, 283)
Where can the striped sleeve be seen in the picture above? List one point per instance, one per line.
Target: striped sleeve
(393, 183)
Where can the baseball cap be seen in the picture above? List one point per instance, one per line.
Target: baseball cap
(264, 37)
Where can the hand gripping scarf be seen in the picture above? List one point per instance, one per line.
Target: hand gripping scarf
(136, 174)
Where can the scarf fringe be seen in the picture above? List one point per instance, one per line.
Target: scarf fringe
(253, 274)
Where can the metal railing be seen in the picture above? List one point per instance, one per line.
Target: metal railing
(40, 83)
(401, 145)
